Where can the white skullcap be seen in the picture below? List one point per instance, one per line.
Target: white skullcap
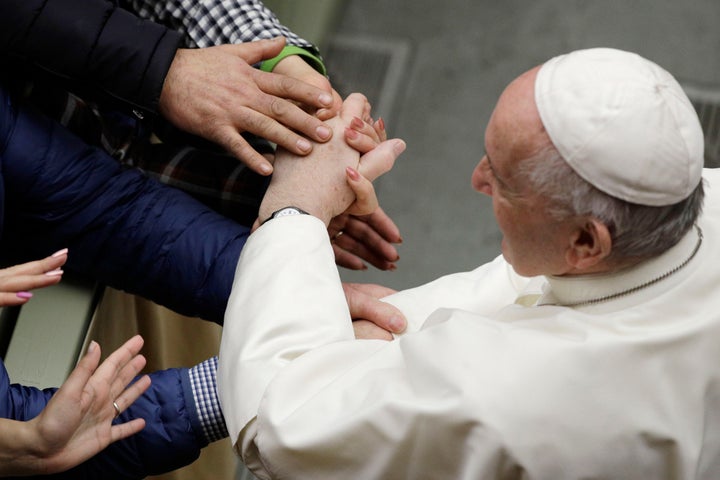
(623, 124)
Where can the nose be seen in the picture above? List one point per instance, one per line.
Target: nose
(481, 177)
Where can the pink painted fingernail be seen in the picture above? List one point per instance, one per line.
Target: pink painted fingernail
(351, 134)
(60, 252)
(54, 273)
(356, 123)
(24, 294)
(352, 173)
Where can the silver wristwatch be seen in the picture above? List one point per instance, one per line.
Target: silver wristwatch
(284, 212)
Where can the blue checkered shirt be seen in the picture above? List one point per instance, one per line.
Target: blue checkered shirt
(204, 388)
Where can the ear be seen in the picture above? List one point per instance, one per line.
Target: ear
(590, 245)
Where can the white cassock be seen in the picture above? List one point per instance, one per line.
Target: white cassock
(480, 387)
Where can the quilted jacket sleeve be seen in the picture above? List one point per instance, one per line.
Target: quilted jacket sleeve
(172, 436)
(94, 44)
(122, 228)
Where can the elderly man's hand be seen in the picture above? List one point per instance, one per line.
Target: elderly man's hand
(334, 179)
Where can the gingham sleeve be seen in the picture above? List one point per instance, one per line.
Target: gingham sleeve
(214, 22)
(204, 389)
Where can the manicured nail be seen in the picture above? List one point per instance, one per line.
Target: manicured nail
(323, 132)
(54, 273)
(357, 123)
(325, 99)
(92, 346)
(24, 294)
(352, 173)
(304, 145)
(352, 134)
(399, 146)
(60, 252)
(381, 123)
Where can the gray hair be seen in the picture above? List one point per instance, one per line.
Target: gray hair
(637, 231)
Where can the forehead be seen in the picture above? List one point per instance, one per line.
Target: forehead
(515, 131)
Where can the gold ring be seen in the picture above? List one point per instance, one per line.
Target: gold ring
(117, 409)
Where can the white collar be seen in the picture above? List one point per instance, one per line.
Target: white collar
(583, 290)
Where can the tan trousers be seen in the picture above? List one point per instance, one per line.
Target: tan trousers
(171, 340)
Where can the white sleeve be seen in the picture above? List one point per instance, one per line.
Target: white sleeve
(302, 398)
(286, 299)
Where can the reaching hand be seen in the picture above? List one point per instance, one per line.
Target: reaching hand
(77, 422)
(16, 281)
(215, 93)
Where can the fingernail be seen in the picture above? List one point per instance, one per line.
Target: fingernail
(352, 173)
(54, 273)
(381, 123)
(304, 145)
(399, 146)
(265, 169)
(24, 294)
(92, 346)
(60, 252)
(323, 132)
(396, 323)
(325, 99)
(356, 123)
(351, 134)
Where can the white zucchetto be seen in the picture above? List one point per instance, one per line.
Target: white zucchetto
(623, 124)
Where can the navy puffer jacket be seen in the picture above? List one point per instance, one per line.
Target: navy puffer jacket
(101, 52)
(172, 436)
(122, 228)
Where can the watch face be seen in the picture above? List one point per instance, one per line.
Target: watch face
(287, 211)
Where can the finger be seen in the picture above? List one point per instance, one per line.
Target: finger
(80, 375)
(365, 199)
(124, 378)
(365, 329)
(354, 106)
(55, 261)
(113, 365)
(233, 142)
(254, 52)
(379, 221)
(277, 120)
(16, 284)
(381, 159)
(345, 259)
(379, 127)
(334, 109)
(373, 289)
(132, 392)
(382, 314)
(358, 141)
(283, 87)
(124, 430)
(362, 240)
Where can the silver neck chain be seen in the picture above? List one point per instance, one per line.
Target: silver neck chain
(642, 285)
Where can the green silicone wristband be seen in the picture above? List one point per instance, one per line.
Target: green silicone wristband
(314, 61)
